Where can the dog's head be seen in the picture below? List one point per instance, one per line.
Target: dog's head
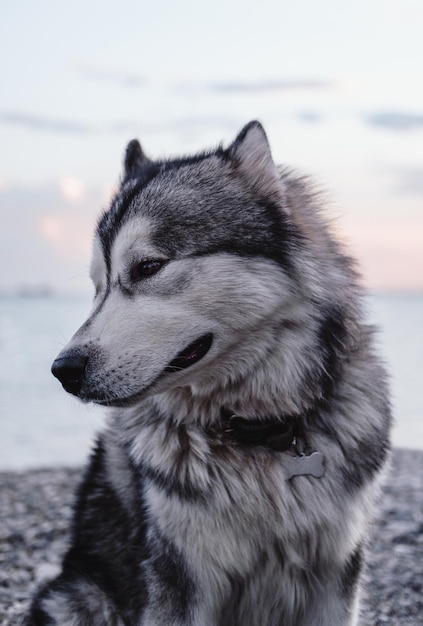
(194, 257)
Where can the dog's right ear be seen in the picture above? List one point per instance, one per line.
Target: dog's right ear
(134, 160)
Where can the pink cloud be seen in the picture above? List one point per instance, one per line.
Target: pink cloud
(390, 255)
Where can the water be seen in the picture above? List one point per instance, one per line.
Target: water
(400, 319)
(41, 425)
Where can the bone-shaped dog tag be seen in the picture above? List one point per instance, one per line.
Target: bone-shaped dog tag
(312, 465)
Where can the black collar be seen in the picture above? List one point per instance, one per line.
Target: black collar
(280, 434)
(277, 434)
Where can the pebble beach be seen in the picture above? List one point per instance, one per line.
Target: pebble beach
(35, 508)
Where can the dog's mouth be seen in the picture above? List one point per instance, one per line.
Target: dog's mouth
(192, 354)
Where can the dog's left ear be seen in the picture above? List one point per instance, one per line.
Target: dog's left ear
(134, 160)
(251, 155)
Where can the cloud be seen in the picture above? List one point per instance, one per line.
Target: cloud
(270, 86)
(39, 122)
(310, 117)
(53, 125)
(249, 87)
(116, 76)
(395, 120)
(72, 189)
(123, 126)
(409, 181)
(131, 80)
(69, 233)
(25, 200)
(47, 232)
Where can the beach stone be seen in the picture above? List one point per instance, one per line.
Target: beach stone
(36, 507)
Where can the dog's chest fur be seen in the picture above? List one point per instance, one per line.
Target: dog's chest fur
(252, 543)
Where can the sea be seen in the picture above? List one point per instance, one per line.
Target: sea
(42, 426)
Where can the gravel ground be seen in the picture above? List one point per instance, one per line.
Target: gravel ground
(34, 514)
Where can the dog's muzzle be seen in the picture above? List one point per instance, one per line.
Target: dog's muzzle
(70, 370)
(75, 369)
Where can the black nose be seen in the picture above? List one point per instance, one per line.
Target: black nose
(70, 370)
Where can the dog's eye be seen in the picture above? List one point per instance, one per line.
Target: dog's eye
(147, 268)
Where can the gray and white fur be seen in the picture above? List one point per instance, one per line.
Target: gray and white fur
(221, 292)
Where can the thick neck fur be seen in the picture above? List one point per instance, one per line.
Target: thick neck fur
(286, 377)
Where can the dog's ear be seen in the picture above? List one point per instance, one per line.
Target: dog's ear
(134, 160)
(251, 155)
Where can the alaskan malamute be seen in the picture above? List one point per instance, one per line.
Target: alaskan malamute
(236, 479)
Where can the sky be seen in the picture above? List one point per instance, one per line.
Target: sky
(338, 87)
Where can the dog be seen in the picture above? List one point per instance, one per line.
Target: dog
(249, 433)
